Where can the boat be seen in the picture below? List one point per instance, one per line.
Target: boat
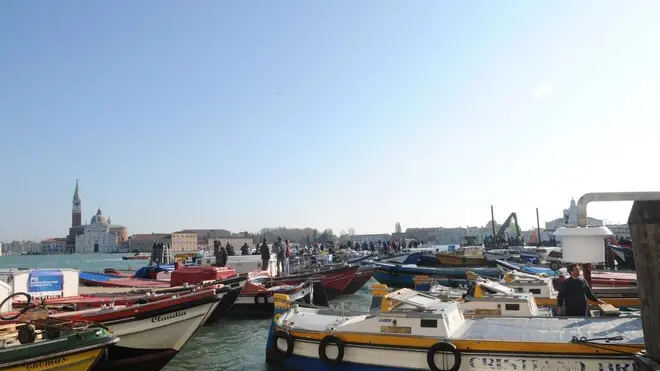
(598, 278)
(51, 345)
(257, 296)
(400, 275)
(232, 287)
(545, 289)
(138, 256)
(479, 300)
(335, 279)
(150, 334)
(362, 276)
(416, 332)
(468, 256)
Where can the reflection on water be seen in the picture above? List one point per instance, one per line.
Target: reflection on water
(229, 344)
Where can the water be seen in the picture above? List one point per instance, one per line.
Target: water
(229, 344)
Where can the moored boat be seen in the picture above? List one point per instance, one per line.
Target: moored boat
(256, 298)
(420, 334)
(545, 292)
(598, 278)
(151, 334)
(334, 279)
(468, 256)
(52, 346)
(362, 276)
(398, 275)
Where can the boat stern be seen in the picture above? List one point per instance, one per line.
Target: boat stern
(282, 303)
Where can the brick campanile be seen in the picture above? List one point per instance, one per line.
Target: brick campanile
(76, 211)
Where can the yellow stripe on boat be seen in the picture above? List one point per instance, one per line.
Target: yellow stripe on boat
(617, 302)
(82, 361)
(562, 349)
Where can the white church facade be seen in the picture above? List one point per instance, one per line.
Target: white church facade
(97, 236)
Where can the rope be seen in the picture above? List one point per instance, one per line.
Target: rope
(592, 342)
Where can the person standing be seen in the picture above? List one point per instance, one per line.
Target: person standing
(573, 294)
(287, 256)
(265, 255)
(278, 249)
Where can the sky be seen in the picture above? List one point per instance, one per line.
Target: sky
(338, 114)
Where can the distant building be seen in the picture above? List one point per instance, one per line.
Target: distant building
(98, 236)
(619, 230)
(237, 242)
(361, 238)
(570, 219)
(183, 241)
(145, 242)
(53, 246)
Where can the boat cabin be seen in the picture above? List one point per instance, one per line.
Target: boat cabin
(403, 312)
(540, 287)
(490, 298)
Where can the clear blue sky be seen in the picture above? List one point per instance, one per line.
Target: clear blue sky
(242, 115)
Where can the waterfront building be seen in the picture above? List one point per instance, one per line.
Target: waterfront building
(98, 236)
(53, 246)
(145, 242)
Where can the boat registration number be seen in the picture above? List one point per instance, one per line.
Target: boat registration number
(395, 329)
(548, 364)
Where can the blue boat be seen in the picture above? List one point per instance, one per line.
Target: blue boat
(403, 275)
(505, 266)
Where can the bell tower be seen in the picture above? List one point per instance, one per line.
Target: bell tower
(76, 211)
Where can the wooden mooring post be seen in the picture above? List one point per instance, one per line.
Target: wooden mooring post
(644, 223)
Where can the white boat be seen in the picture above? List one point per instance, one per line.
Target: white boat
(422, 333)
(151, 334)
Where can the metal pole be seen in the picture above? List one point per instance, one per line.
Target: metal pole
(492, 222)
(610, 196)
(538, 229)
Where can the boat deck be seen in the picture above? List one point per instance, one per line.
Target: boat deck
(559, 330)
(508, 329)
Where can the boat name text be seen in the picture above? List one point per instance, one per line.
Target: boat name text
(167, 317)
(487, 363)
(46, 364)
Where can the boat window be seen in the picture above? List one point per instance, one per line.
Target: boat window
(429, 323)
(535, 291)
(511, 306)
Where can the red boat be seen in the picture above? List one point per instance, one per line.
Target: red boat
(150, 334)
(233, 286)
(257, 296)
(334, 280)
(362, 276)
(608, 278)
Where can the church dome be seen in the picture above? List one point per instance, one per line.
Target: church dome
(100, 219)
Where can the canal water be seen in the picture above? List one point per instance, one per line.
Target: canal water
(229, 344)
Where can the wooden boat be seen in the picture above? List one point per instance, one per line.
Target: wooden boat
(469, 256)
(232, 287)
(362, 276)
(138, 256)
(545, 292)
(334, 279)
(420, 333)
(151, 334)
(257, 296)
(398, 275)
(52, 346)
(598, 278)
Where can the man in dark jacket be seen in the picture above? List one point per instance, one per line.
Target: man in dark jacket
(265, 254)
(278, 248)
(245, 249)
(573, 294)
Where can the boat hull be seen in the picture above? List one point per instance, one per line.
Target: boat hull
(460, 261)
(334, 281)
(81, 361)
(306, 357)
(363, 276)
(262, 303)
